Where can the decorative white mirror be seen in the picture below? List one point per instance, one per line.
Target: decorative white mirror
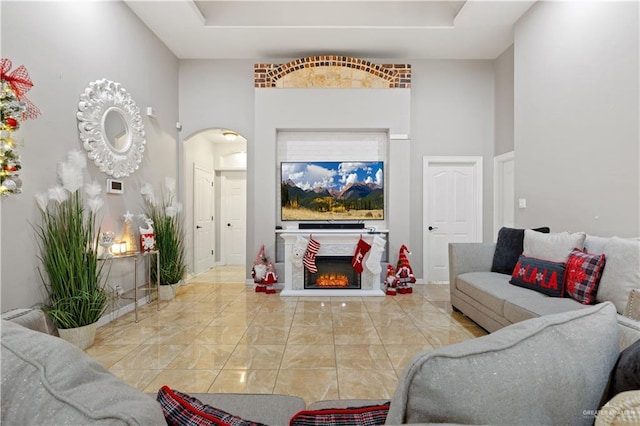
(111, 128)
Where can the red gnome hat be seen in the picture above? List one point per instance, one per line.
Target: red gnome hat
(261, 259)
(402, 258)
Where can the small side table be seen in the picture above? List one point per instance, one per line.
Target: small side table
(148, 286)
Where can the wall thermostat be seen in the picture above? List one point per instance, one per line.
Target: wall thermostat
(115, 186)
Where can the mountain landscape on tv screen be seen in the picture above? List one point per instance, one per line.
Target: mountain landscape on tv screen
(356, 195)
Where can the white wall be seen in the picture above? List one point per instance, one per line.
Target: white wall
(452, 114)
(65, 46)
(576, 117)
(503, 69)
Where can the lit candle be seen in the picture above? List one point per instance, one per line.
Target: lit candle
(115, 248)
(123, 247)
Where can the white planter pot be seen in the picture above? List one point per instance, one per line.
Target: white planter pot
(82, 337)
(167, 292)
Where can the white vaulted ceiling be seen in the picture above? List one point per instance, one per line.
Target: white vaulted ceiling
(254, 29)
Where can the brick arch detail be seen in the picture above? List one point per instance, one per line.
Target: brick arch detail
(393, 75)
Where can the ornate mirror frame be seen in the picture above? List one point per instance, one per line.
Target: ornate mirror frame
(105, 98)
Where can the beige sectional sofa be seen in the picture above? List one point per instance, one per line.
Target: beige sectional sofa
(491, 301)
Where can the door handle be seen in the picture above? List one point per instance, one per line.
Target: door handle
(198, 227)
(431, 228)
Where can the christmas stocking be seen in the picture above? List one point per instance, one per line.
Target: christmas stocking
(375, 255)
(310, 255)
(361, 249)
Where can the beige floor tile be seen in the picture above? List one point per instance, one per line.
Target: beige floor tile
(265, 335)
(244, 381)
(400, 355)
(202, 357)
(138, 379)
(220, 335)
(310, 336)
(356, 335)
(310, 385)
(107, 356)
(373, 384)
(362, 357)
(149, 357)
(401, 334)
(223, 337)
(255, 357)
(187, 381)
(309, 356)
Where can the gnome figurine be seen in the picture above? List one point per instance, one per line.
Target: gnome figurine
(404, 273)
(259, 270)
(390, 282)
(270, 278)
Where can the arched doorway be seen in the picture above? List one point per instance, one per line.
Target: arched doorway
(215, 177)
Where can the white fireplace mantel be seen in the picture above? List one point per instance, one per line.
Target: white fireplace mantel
(334, 242)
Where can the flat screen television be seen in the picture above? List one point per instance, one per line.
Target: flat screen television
(332, 190)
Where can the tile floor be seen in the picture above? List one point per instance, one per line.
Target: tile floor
(218, 335)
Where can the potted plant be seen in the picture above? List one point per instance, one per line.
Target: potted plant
(68, 244)
(168, 227)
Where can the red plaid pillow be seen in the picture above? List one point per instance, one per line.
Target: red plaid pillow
(180, 409)
(362, 416)
(583, 275)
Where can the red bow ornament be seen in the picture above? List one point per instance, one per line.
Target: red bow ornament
(20, 83)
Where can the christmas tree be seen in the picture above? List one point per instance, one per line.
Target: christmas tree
(14, 107)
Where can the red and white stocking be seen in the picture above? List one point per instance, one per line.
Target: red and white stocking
(361, 250)
(310, 255)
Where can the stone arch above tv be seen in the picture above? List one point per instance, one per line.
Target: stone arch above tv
(332, 72)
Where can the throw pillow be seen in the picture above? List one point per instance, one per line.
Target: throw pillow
(622, 273)
(554, 247)
(539, 275)
(583, 275)
(626, 374)
(509, 247)
(181, 409)
(359, 416)
(514, 375)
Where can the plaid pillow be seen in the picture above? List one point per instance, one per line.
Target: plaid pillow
(361, 416)
(180, 409)
(543, 276)
(583, 275)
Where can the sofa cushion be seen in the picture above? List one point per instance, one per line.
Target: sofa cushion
(554, 247)
(512, 376)
(539, 275)
(369, 415)
(509, 247)
(622, 272)
(489, 289)
(626, 374)
(181, 409)
(583, 275)
(535, 305)
(46, 380)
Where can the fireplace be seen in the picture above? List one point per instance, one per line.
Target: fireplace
(334, 244)
(334, 272)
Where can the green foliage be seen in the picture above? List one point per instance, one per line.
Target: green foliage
(168, 227)
(68, 251)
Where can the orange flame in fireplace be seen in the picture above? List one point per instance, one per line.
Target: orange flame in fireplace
(332, 280)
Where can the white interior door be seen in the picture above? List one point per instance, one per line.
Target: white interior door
(504, 192)
(452, 209)
(203, 219)
(233, 211)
